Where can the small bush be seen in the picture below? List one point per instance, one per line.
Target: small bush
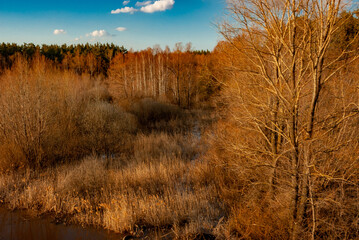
(105, 127)
(99, 92)
(149, 111)
(11, 157)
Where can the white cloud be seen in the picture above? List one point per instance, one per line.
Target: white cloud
(125, 3)
(124, 10)
(121, 29)
(141, 4)
(158, 6)
(59, 31)
(77, 39)
(98, 33)
(147, 7)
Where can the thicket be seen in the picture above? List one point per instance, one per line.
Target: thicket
(48, 116)
(285, 154)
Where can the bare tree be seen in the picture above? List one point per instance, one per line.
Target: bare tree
(282, 68)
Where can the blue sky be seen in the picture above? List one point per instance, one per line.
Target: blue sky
(134, 24)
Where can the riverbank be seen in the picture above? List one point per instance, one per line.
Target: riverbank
(159, 183)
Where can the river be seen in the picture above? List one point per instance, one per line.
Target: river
(16, 225)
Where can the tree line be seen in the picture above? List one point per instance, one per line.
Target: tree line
(181, 76)
(82, 58)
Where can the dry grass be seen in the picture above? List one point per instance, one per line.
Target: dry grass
(157, 145)
(148, 193)
(155, 182)
(67, 150)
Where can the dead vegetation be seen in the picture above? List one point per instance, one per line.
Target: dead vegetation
(148, 191)
(68, 151)
(285, 154)
(276, 159)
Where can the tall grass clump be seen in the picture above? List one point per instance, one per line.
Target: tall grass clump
(88, 177)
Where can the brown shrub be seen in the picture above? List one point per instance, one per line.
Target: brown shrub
(49, 116)
(148, 112)
(106, 127)
(11, 157)
(254, 222)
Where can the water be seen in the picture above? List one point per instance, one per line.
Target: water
(16, 225)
